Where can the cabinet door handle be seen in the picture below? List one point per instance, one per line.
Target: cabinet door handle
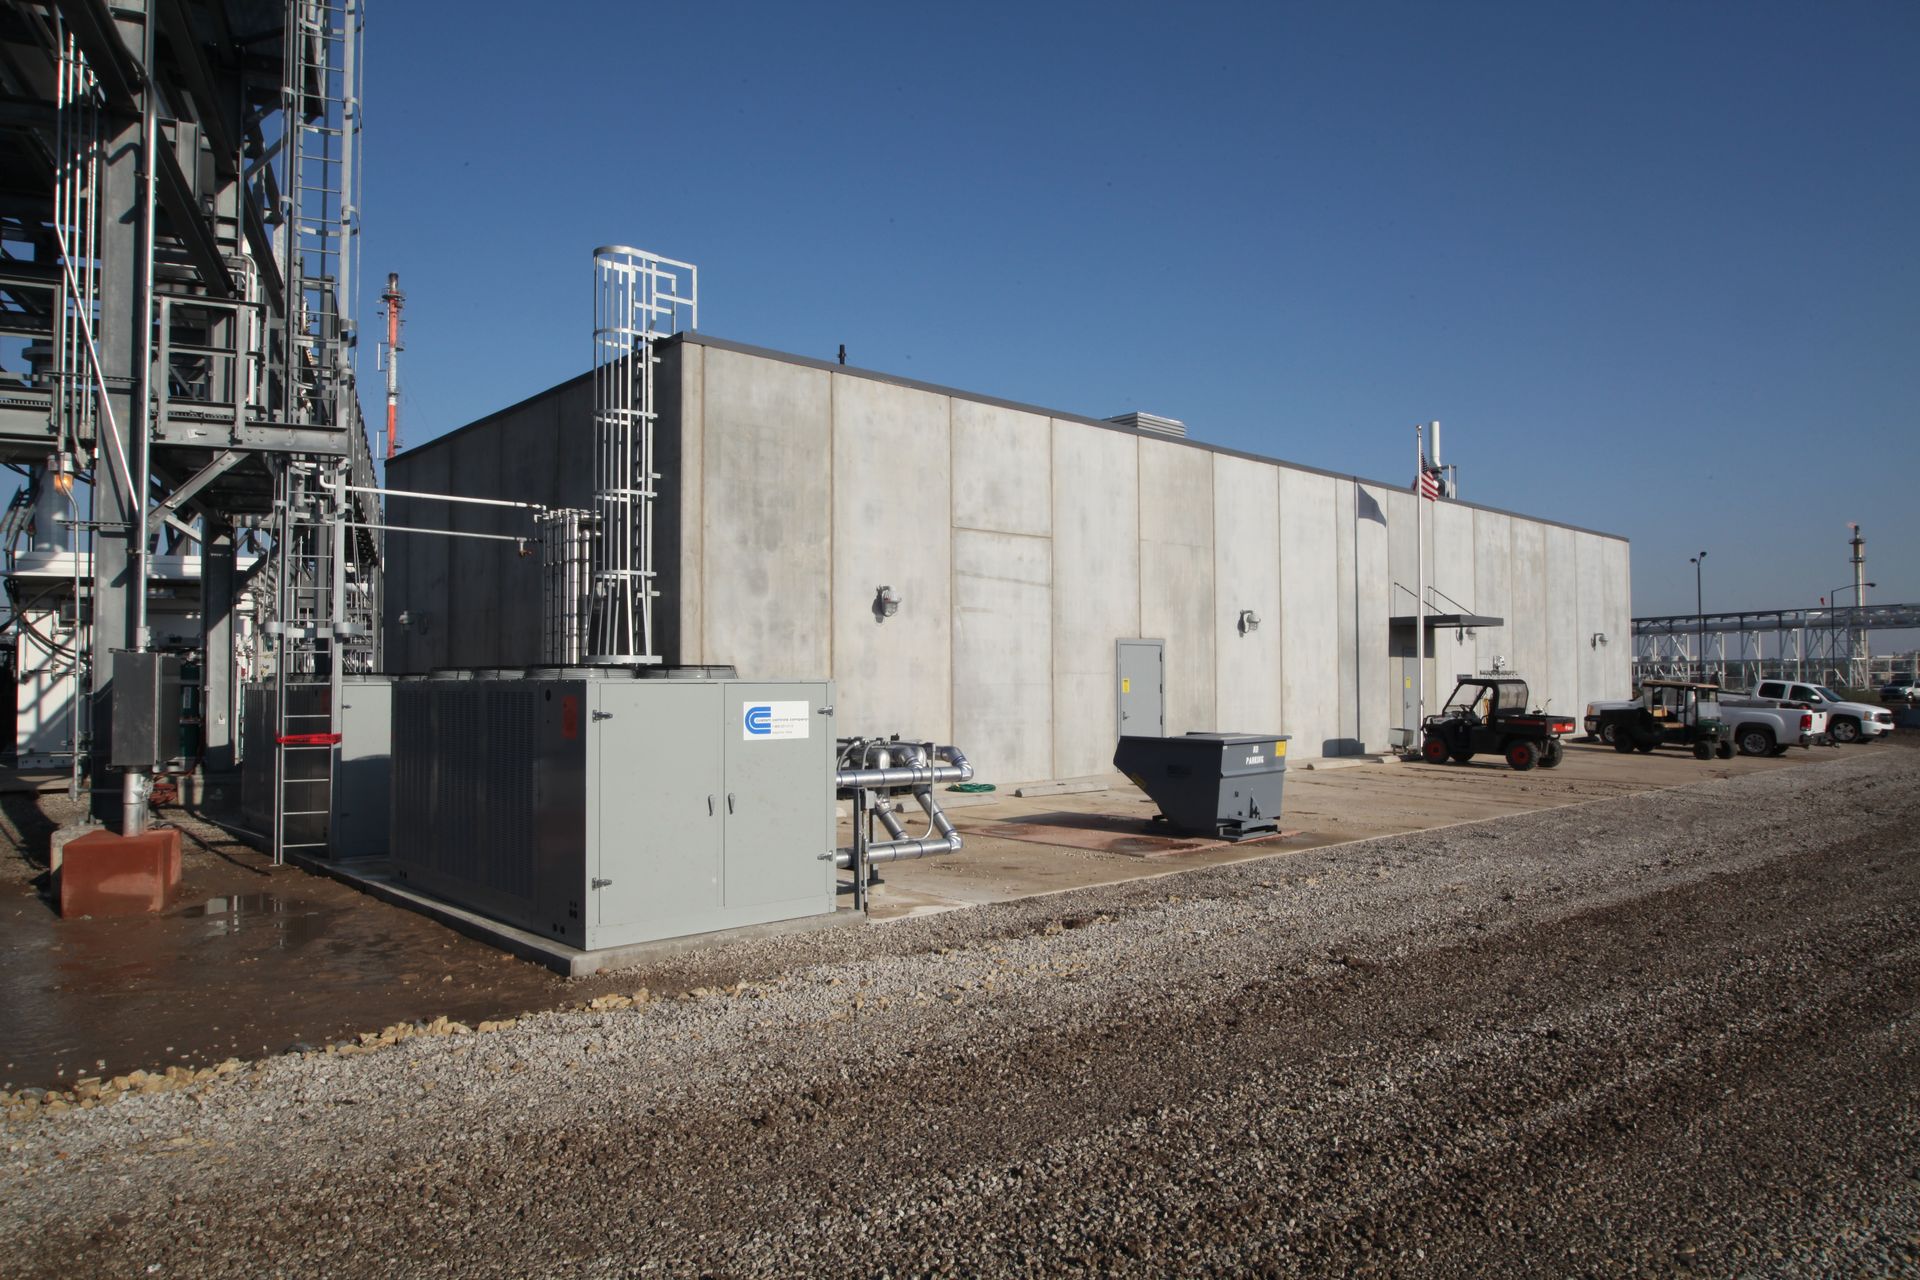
(709, 806)
(729, 802)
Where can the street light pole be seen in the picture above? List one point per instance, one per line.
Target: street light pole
(1700, 611)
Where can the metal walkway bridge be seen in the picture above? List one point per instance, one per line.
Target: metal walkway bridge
(1826, 643)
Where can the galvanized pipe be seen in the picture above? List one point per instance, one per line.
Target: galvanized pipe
(878, 772)
(918, 774)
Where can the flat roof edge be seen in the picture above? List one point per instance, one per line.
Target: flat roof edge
(853, 371)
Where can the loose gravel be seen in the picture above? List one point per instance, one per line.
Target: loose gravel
(1671, 1032)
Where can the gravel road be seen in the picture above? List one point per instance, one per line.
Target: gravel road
(1672, 1032)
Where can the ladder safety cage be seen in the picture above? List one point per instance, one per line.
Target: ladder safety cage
(640, 298)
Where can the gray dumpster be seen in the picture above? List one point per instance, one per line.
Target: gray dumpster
(1224, 785)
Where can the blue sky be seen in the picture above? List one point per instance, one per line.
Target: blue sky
(1654, 266)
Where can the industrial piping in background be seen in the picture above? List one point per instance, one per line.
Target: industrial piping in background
(870, 772)
(390, 351)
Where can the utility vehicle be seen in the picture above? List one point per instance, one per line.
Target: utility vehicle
(1488, 714)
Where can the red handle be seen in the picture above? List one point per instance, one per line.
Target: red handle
(308, 739)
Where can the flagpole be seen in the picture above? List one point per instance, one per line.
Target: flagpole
(1420, 594)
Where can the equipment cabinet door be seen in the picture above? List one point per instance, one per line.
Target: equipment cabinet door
(659, 801)
(779, 794)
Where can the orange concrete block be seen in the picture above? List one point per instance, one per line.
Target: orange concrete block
(103, 874)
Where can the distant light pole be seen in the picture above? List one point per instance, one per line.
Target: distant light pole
(1852, 613)
(1700, 611)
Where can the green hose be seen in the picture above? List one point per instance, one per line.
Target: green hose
(972, 788)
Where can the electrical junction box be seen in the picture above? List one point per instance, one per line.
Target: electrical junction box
(599, 807)
(146, 708)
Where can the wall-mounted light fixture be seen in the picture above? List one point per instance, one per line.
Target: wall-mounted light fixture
(1599, 638)
(886, 603)
(1249, 622)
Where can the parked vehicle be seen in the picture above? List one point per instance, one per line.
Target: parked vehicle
(1677, 713)
(1600, 728)
(1846, 721)
(1900, 693)
(1762, 727)
(1489, 714)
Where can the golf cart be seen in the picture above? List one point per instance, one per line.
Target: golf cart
(1670, 713)
(1488, 714)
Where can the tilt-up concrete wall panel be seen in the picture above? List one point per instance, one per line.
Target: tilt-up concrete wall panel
(420, 642)
(686, 593)
(1003, 590)
(1002, 470)
(1616, 676)
(1003, 653)
(1246, 575)
(767, 530)
(1527, 609)
(1176, 576)
(1493, 588)
(1347, 624)
(1309, 600)
(1564, 652)
(1594, 614)
(1096, 588)
(892, 459)
(1402, 513)
(1373, 594)
(1450, 572)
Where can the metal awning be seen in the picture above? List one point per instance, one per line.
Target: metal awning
(1437, 620)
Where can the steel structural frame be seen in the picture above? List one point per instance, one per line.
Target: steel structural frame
(201, 187)
(1823, 643)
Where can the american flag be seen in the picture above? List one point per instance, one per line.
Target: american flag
(1429, 482)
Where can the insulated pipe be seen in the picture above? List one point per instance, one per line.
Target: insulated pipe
(918, 774)
(903, 847)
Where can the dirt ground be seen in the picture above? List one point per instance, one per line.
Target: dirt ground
(1665, 1032)
(255, 960)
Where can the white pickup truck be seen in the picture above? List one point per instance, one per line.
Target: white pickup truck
(1764, 727)
(1846, 721)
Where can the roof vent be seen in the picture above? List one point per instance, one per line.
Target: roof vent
(1152, 422)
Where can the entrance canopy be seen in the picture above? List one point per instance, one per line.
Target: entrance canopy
(1437, 620)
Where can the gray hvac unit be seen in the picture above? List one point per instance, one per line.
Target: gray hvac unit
(1224, 785)
(604, 806)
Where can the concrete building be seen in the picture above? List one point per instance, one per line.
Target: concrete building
(1023, 545)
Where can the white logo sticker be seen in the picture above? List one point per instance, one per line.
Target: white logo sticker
(761, 721)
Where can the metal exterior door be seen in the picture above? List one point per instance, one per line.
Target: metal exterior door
(1142, 666)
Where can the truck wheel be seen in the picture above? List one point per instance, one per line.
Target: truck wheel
(1754, 740)
(1646, 745)
(1622, 743)
(1608, 732)
(1846, 730)
(1725, 749)
(1461, 757)
(1522, 755)
(1434, 751)
(1703, 751)
(1550, 758)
